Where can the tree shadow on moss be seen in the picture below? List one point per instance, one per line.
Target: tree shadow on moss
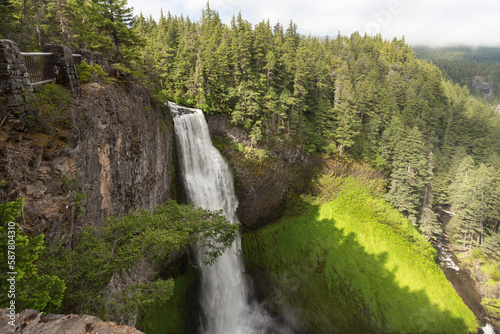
(321, 280)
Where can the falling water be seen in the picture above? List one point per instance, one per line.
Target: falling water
(209, 184)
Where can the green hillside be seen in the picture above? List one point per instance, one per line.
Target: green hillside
(354, 264)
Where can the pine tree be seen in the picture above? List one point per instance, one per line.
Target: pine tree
(409, 175)
(471, 196)
(491, 246)
(429, 224)
(345, 110)
(105, 26)
(7, 19)
(300, 84)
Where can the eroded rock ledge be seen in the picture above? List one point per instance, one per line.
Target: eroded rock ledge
(34, 322)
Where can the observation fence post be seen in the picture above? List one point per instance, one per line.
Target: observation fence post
(14, 79)
(40, 66)
(65, 68)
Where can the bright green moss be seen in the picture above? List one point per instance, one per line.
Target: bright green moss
(356, 265)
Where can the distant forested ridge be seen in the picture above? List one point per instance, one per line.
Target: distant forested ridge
(357, 97)
(463, 65)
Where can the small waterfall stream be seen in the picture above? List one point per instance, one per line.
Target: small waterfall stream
(461, 280)
(209, 184)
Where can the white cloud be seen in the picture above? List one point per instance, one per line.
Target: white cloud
(421, 22)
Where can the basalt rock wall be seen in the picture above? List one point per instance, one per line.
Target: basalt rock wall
(115, 155)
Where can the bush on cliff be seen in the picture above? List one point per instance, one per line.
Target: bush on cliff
(21, 281)
(49, 105)
(87, 73)
(115, 268)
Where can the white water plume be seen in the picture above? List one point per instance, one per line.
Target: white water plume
(209, 184)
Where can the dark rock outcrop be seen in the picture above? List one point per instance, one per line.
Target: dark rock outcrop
(262, 185)
(482, 86)
(124, 151)
(34, 322)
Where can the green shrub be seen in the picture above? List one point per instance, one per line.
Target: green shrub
(19, 254)
(86, 72)
(261, 154)
(69, 182)
(124, 70)
(51, 103)
(78, 198)
(103, 76)
(496, 274)
(331, 149)
(109, 251)
(237, 147)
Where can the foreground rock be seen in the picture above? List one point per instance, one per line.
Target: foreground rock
(34, 322)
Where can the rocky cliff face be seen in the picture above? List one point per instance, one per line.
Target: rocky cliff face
(482, 86)
(116, 156)
(262, 183)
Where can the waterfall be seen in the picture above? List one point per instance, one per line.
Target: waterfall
(209, 184)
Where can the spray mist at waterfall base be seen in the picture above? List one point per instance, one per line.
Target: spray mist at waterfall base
(227, 303)
(208, 183)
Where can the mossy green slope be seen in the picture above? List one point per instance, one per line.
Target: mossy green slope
(171, 316)
(354, 264)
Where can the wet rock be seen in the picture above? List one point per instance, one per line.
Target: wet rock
(262, 186)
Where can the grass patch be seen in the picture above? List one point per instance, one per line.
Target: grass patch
(492, 307)
(354, 264)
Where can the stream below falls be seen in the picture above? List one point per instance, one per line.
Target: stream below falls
(464, 284)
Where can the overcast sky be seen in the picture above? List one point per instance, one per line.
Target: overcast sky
(435, 23)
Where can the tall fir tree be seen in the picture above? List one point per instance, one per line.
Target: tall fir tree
(409, 175)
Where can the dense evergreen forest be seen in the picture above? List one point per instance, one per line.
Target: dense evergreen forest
(345, 97)
(468, 67)
(358, 96)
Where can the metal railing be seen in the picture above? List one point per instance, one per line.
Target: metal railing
(40, 66)
(77, 58)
